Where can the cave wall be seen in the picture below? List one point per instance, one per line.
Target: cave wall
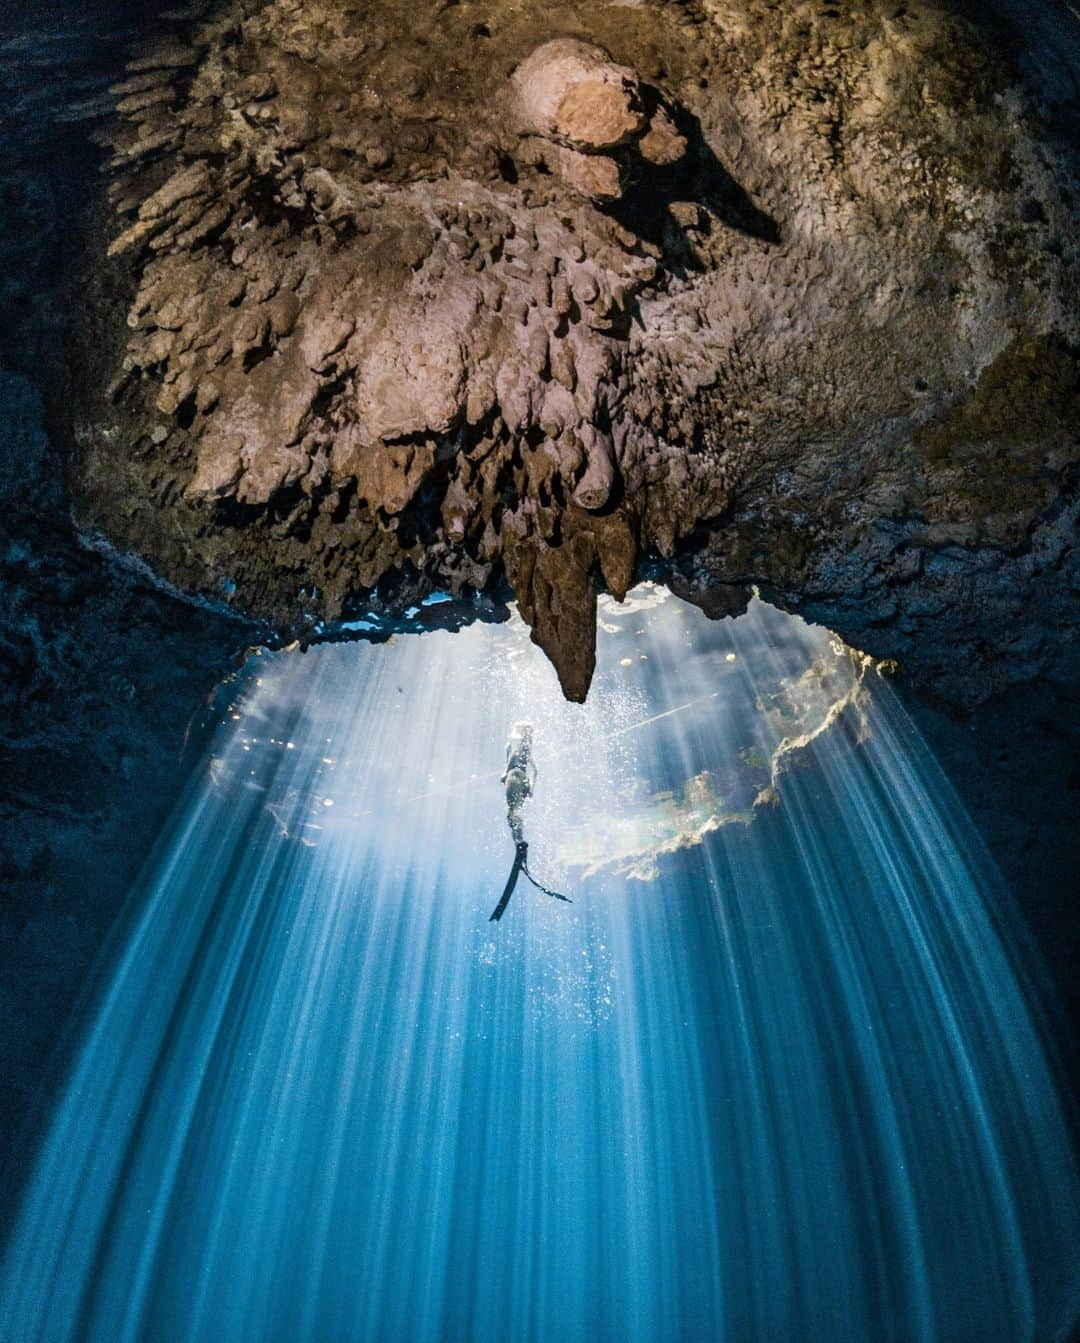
(105, 676)
(105, 683)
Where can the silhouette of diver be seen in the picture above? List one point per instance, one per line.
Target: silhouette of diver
(519, 779)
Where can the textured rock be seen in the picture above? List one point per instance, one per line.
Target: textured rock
(574, 95)
(780, 295)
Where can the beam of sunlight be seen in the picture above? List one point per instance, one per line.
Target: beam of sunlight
(778, 1073)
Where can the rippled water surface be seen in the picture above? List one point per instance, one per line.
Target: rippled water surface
(776, 1074)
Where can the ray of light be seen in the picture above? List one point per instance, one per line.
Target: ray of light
(791, 1085)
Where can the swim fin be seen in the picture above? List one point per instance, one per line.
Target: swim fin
(547, 891)
(515, 872)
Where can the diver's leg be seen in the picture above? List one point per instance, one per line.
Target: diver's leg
(515, 816)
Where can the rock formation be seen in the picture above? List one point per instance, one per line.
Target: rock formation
(593, 121)
(435, 295)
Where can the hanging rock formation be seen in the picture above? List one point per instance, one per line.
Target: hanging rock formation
(414, 296)
(594, 123)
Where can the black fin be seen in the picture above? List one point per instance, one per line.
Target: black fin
(554, 894)
(515, 872)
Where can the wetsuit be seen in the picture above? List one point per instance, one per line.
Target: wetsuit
(519, 778)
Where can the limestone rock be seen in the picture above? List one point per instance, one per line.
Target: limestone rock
(662, 144)
(593, 175)
(594, 488)
(598, 114)
(768, 295)
(573, 90)
(573, 94)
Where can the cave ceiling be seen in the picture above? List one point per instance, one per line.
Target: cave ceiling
(388, 298)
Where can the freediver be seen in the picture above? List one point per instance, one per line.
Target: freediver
(519, 780)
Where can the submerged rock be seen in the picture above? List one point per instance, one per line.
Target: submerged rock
(442, 297)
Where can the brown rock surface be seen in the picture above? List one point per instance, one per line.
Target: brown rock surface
(598, 115)
(573, 94)
(432, 297)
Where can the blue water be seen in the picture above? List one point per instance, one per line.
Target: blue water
(777, 1074)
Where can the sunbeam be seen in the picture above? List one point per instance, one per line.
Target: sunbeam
(777, 1073)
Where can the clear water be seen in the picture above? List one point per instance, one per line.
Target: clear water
(774, 1075)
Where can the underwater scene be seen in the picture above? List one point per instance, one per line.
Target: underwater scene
(774, 1069)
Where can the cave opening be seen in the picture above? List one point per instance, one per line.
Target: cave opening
(778, 1072)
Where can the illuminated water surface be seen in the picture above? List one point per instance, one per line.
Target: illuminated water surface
(774, 1075)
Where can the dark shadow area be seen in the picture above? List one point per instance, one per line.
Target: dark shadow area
(1015, 763)
(104, 678)
(698, 179)
(57, 61)
(1040, 40)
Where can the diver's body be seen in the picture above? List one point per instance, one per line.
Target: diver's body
(519, 780)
